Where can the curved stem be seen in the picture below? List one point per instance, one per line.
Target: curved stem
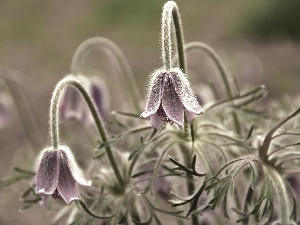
(171, 13)
(112, 51)
(263, 150)
(25, 113)
(54, 130)
(223, 72)
(217, 60)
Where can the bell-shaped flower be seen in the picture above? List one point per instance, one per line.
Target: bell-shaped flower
(99, 94)
(169, 97)
(58, 175)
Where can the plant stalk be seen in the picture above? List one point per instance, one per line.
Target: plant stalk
(54, 119)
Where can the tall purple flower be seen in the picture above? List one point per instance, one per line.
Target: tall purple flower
(169, 97)
(58, 175)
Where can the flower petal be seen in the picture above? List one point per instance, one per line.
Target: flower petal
(73, 166)
(47, 172)
(185, 92)
(156, 121)
(172, 104)
(67, 187)
(155, 93)
(190, 116)
(100, 95)
(43, 201)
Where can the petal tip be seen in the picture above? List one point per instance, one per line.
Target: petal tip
(144, 115)
(42, 191)
(71, 200)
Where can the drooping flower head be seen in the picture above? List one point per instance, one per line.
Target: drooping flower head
(58, 175)
(169, 97)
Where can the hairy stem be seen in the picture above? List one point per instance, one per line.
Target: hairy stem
(171, 14)
(54, 129)
(224, 74)
(279, 185)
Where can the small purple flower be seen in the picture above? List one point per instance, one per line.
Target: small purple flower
(169, 97)
(72, 105)
(98, 92)
(58, 175)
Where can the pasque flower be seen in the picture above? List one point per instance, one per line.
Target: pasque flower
(58, 175)
(72, 104)
(169, 97)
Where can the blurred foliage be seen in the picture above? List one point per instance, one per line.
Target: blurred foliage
(274, 18)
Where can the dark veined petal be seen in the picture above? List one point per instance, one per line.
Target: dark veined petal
(155, 93)
(185, 92)
(67, 186)
(172, 104)
(73, 166)
(156, 121)
(47, 172)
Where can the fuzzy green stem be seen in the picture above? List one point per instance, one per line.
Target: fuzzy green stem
(171, 14)
(54, 129)
(113, 51)
(171, 17)
(282, 196)
(186, 153)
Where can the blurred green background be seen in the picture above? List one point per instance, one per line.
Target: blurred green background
(257, 40)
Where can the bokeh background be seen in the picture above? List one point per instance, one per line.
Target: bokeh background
(258, 42)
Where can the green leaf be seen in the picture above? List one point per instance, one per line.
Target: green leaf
(142, 223)
(142, 173)
(136, 152)
(185, 169)
(218, 182)
(232, 189)
(7, 181)
(107, 143)
(90, 213)
(24, 171)
(133, 115)
(254, 173)
(27, 192)
(201, 209)
(99, 156)
(196, 198)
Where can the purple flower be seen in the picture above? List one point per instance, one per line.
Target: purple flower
(169, 97)
(98, 92)
(72, 105)
(58, 175)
